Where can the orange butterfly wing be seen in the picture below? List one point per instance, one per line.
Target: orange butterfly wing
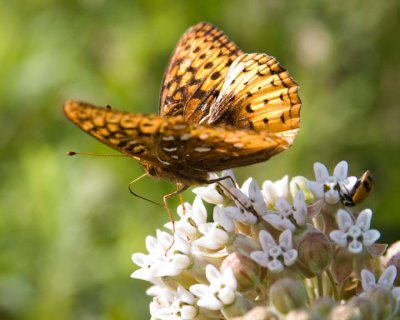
(129, 133)
(196, 72)
(258, 94)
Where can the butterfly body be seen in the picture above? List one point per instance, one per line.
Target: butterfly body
(219, 108)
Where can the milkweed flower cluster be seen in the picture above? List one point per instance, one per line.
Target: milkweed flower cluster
(291, 249)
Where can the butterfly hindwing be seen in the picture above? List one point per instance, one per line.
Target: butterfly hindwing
(196, 72)
(214, 148)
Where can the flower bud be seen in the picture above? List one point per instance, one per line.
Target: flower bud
(344, 312)
(314, 252)
(241, 306)
(384, 301)
(299, 315)
(322, 307)
(246, 271)
(259, 313)
(393, 259)
(364, 308)
(287, 295)
(299, 183)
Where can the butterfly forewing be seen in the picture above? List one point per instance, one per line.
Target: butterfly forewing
(129, 133)
(196, 72)
(258, 94)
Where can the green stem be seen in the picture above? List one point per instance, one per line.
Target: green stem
(320, 286)
(333, 284)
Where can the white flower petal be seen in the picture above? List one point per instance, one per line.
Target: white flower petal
(283, 206)
(364, 219)
(260, 257)
(349, 182)
(370, 237)
(316, 188)
(213, 274)
(199, 212)
(278, 223)
(321, 172)
(199, 290)
(275, 266)
(332, 197)
(355, 247)
(188, 312)
(339, 237)
(289, 257)
(285, 240)
(210, 302)
(344, 220)
(209, 195)
(185, 295)
(226, 295)
(340, 171)
(140, 259)
(229, 278)
(221, 216)
(387, 278)
(181, 261)
(396, 293)
(266, 240)
(367, 279)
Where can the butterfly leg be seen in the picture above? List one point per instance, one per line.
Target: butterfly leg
(181, 188)
(137, 195)
(218, 181)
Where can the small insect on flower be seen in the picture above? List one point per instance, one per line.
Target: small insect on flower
(359, 192)
(219, 108)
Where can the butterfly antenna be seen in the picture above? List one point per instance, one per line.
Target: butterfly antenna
(138, 195)
(181, 188)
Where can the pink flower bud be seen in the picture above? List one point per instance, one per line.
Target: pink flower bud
(287, 295)
(246, 271)
(314, 252)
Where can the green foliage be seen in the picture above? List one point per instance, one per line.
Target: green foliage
(69, 225)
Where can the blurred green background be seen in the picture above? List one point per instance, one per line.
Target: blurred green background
(68, 225)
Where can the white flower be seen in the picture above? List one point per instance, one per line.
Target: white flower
(220, 292)
(251, 189)
(354, 235)
(190, 218)
(386, 281)
(328, 187)
(288, 217)
(275, 256)
(173, 305)
(160, 262)
(213, 193)
(216, 235)
(273, 190)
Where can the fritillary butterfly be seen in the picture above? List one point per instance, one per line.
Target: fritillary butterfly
(219, 108)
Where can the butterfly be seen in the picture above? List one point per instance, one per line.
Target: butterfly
(219, 108)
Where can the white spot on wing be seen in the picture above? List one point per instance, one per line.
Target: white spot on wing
(168, 138)
(202, 149)
(179, 126)
(203, 136)
(170, 149)
(185, 136)
(238, 145)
